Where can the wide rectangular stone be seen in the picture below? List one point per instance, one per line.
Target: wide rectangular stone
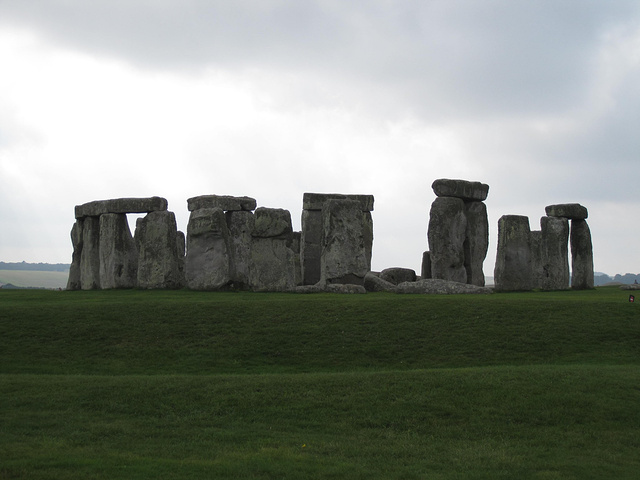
(316, 201)
(467, 191)
(573, 211)
(226, 203)
(121, 205)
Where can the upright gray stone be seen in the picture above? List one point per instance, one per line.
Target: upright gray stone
(73, 283)
(554, 253)
(425, 269)
(295, 247)
(581, 255)
(573, 211)
(311, 247)
(160, 251)
(272, 258)
(476, 242)
(118, 253)
(241, 225)
(345, 256)
(121, 205)
(90, 256)
(207, 263)
(537, 266)
(513, 261)
(463, 189)
(446, 235)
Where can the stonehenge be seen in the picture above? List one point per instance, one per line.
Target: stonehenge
(539, 259)
(232, 244)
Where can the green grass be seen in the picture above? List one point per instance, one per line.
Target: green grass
(137, 384)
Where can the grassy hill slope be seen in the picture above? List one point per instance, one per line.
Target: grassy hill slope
(136, 384)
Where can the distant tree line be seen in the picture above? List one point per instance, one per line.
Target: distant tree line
(35, 267)
(627, 278)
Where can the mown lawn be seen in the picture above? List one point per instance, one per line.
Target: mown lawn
(147, 384)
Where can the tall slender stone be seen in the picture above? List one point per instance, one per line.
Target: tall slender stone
(90, 256)
(554, 253)
(241, 224)
(476, 243)
(513, 261)
(581, 255)
(73, 282)
(161, 251)
(207, 263)
(118, 252)
(446, 235)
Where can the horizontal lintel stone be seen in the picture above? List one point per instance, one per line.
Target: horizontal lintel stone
(468, 191)
(226, 203)
(121, 205)
(316, 201)
(573, 211)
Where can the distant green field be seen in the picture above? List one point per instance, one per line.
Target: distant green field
(182, 384)
(23, 278)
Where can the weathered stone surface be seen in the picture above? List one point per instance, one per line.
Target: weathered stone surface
(90, 256)
(397, 275)
(316, 201)
(309, 289)
(121, 205)
(581, 255)
(440, 287)
(446, 235)
(272, 222)
(554, 250)
(207, 263)
(463, 189)
(73, 283)
(513, 261)
(476, 242)
(295, 247)
(373, 283)
(345, 288)
(160, 251)
(241, 225)
(537, 269)
(223, 202)
(311, 246)
(344, 257)
(425, 271)
(573, 211)
(118, 252)
(272, 265)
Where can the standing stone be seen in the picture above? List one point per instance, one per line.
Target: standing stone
(160, 251)
(537, 267)
(90, 256)
(74, 270)
(554, 253)
(207, 263)
(476, 242)
(313, 205)
(272, 258)
(446, 235)
(345, 256)
(295, 246)
(118, 253)
(241, 224)
(425, 269)
(513, 261)
(581, 255)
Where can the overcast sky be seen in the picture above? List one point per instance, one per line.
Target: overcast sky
(273, 98)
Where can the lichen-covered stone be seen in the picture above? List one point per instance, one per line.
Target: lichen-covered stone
(446, 235)
(439, 287)
(272, 222)
(160, 251)
(463, 189)
(554, 251)
(373, 283)
(513, 261)
(476, 242)
(573, 211)
(397, 275)
(272, 265)
(226, 203)
(118, 253)
(121, 205)
(316, 201)
(241, 226)
(207, 263)
(73, 283)
(90, 256)
(581, 255)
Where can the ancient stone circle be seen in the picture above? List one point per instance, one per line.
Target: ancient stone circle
(232, 244)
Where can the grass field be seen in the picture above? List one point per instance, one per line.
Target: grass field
(153, 384)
